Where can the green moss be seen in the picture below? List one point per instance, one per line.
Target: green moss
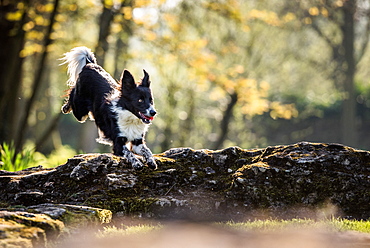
(113, 204)
(74, 216)
(4, 205)
(164, 160)
(138, 205)
(128, 205)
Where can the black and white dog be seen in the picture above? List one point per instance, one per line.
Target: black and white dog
(122, 110)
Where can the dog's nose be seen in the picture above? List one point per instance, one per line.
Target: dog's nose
(152, 112)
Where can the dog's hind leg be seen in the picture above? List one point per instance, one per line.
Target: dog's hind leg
(77, 106)
(80, 108)
(140, 148)
(67, 107)
(120, 149)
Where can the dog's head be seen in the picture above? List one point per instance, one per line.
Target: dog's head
(137, 98)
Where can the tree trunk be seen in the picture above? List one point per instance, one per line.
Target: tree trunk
(89, 131)
(228, 114)
(172, 104)
(348, 118)
(101, 49)
(122, 44)
(37, 80)
(187, 123)
(12, 40)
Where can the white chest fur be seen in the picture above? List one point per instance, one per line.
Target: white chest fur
(129, 125)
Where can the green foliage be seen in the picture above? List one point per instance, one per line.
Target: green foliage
(12, 161)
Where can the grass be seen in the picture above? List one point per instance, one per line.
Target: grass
(334, 225)
(112, 231)
(351, 225)
(12, 161)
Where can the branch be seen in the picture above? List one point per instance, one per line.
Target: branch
(321, 34)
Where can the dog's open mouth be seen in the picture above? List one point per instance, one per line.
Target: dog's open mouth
(146, 119)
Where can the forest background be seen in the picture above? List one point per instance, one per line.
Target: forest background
(224, 73)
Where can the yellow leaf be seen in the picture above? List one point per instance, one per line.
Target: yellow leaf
(264, 86)
(307, 20)
(314, 11)
(57, 26)
(269, 17)
(61, 18)
(48, 7)
(108, 4)
(73, 7)
(14, 16)
(339, 3)
(150, 36)
(35, 35)
(127, 13)
(28, 26)
(30, 49)
(20, 5)
(142, 3)
(289, 17)
(116, 28)
(284, 111)
(324, 12)
(39, 20)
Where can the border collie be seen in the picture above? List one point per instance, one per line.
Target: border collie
(122, 111)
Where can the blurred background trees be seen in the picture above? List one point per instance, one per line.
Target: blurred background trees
(227, 72)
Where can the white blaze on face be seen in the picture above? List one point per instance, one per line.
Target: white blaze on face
(151, 108)
(129, 125)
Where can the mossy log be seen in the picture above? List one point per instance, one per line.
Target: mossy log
(223, 184)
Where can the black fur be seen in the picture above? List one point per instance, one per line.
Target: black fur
(122, 111)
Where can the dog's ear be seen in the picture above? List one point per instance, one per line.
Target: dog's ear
(127, 80)
(145, 82)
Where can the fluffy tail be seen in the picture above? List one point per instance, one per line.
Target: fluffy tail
(76, 59)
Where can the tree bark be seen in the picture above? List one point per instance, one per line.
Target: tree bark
(348, 118)
(101, 49)
(227, 116)
(172, 104)
(89, 132)
(12, 38)
(37, 81)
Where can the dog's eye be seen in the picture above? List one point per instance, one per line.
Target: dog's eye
(140, 100)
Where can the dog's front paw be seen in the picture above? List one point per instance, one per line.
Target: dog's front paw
(152, 164)
(137, 165)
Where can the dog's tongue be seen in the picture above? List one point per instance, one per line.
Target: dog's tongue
(147, 117)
